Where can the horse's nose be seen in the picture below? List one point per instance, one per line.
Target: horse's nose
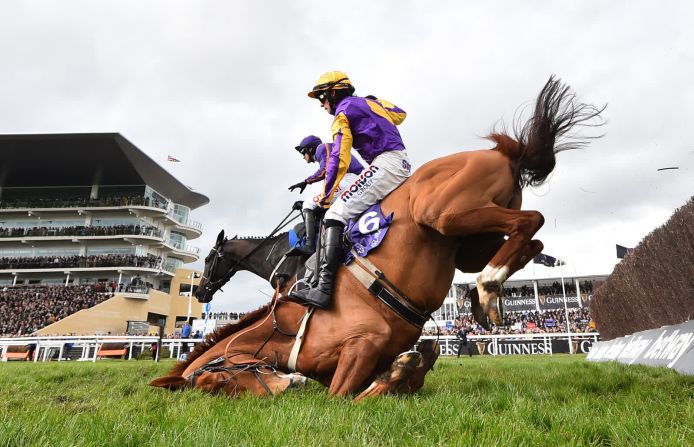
(200, 295)
(203, 299)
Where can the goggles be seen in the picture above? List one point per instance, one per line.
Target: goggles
(305, 149)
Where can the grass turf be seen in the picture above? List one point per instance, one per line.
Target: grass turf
(505, 401)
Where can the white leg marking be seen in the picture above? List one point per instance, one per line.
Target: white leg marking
(493, 274)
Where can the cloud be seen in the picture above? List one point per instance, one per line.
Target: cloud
(222, 86)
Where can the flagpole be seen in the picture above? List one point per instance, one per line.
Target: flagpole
(190, 298)
(566, 308)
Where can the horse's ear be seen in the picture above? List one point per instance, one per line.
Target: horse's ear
(220, 237)
(170, 382)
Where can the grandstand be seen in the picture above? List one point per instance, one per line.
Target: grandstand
(525, 302)
(91, 226)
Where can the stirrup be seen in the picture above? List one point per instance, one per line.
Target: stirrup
(301, 251)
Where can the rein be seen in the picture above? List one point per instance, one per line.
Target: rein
(234, 370)
(255, 366)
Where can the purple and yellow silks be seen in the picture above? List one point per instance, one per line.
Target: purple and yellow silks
(367, 125)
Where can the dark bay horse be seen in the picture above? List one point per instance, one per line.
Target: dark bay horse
(258, 255)
(460, 211)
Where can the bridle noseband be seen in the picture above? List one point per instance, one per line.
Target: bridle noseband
(217, 254)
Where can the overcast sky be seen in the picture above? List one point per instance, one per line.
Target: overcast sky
(221, 85)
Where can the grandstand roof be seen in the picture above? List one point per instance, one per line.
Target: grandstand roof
(86, 159)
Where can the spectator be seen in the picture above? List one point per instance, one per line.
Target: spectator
(185, 334)
(24, 310)
(463, 342)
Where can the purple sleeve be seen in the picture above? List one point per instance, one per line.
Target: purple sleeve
(319, 174)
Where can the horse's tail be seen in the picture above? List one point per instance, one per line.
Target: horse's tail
(556, 113)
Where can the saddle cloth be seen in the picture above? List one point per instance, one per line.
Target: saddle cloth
(361, 236)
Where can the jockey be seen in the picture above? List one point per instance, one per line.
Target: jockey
(368, 124)
(313, 150)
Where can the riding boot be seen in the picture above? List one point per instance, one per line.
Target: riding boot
(310, 246)
(321, 295)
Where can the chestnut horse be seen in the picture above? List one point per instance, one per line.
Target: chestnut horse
(460, 211)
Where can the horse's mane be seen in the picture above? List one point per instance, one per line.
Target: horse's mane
(259, 237)
(218, 335)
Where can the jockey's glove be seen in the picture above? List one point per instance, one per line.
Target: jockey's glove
(301, 185)
(298, 205)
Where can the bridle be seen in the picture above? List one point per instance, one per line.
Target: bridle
(217, 254)
(256, 366)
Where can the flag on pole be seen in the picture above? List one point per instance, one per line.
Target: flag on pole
(622, 251)
(547, 260)
(175, 160)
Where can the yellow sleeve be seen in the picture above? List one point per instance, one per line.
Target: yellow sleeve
(339, 157)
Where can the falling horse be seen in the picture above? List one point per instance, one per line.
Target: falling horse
(460, 211)
(262, 256)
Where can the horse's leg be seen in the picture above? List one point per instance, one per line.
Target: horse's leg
(490, 247)
(519, 226)
(477, 250)
(406, 374)
(396, 378)
(430, 350)
(357, 361)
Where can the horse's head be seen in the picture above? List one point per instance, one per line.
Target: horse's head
(218, 270)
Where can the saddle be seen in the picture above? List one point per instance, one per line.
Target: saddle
(361, 235)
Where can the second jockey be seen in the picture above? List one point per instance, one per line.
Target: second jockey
(313, 150)
(368, 125)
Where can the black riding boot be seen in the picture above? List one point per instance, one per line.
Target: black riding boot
(321, 295)
(310, 246)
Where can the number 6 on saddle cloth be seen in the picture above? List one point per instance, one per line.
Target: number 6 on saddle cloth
(361, 235)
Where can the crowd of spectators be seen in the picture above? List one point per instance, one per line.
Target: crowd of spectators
(24, 310)
(111, 230)
(549, 321)
(553, 289)
(232, 316)
(81, 201)
(110, 260)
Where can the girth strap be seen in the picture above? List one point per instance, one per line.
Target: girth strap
(294, 354)
(376, 282)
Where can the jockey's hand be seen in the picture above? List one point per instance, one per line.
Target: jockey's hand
(298, 205)
(301, 185)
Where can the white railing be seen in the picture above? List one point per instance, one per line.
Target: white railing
(186, 222)
(57, 347)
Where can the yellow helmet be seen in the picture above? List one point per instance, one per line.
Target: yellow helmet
(332, 80)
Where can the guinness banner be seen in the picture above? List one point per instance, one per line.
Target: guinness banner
(519, 303)
(553, 302)
(527, 303)
(669, 346)
(527, 346)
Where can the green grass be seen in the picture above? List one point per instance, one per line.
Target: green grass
(486, 401)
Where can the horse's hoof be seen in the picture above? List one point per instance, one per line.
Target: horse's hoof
(499, 309)
(410, 358)
(296, 380)
(492, 287)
